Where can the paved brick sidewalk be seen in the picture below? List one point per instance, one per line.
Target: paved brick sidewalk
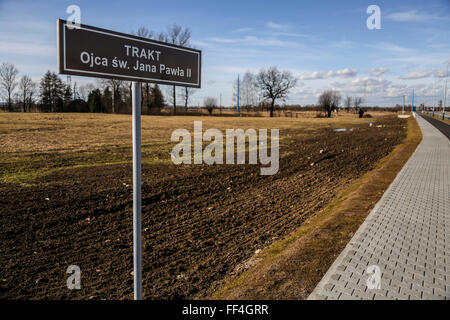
(406, 236)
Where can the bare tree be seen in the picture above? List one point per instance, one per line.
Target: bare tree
(115, 85)
(336, 100)
(32, 95)
(179, 36)
(186, 95)
(171, 93)
(329, 101)
(357, 102)
(75, 90)
(248, 91)
(274, 85)
(210, 104)
(85, 89)
(348, 103)
(145, 33)
(8, 75)
(25, 88)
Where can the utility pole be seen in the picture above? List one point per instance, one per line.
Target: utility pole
(75, 90)
(435, 97)
(220, 103)
(445, 94)
(403, 107)
(237, 106)
(365, 88)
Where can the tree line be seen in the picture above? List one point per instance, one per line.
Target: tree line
(263, 89)
(51, 94)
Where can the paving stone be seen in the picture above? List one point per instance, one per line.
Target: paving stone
(406, 235)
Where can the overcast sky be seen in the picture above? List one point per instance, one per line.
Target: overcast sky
(325, 44)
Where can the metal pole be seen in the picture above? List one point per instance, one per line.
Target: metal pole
(445, 96)
(365, 88)
(445, 100)
(238, 95)
(403, 108)
(137, 223)
(434, 89)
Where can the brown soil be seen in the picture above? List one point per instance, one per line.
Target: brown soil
(199, 222)
(292, 267)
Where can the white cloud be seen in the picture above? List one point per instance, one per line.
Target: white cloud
(380, 91)
(306, 92)
(230, 69)
(224, 40)
(369, 82)
(274, 25)
(289, 34)
(418, 75)
(393, 48)
(344, 73)
(199, 43)
(374, 89)
(413, 16)
(440, 73)
(256, 41)
(242, 30)
(26, 48)
(376, 72)
(408, 57)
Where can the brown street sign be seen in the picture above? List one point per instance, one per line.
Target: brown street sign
(94, 52)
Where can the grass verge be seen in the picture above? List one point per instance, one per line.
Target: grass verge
(292, 267)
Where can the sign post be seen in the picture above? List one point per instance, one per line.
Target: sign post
(89, 51)
(137, 219)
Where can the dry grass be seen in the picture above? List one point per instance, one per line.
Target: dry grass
(38, 132)
(35, 144)
(292, 267)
